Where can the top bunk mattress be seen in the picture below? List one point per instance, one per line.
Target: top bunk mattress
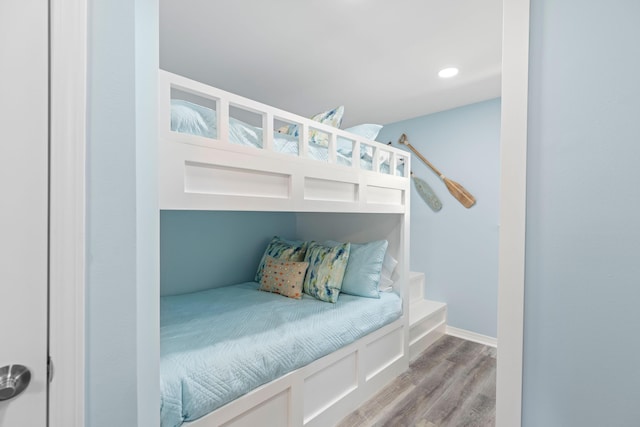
(219, 344)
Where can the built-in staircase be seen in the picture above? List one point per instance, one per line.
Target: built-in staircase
(427, 319)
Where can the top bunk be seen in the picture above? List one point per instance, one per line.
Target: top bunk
(221, 151)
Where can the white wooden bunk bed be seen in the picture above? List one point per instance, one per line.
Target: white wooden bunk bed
(339, 196)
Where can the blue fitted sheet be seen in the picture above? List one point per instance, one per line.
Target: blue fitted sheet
(219, 344)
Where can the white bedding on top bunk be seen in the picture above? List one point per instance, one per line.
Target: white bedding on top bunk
(219, 344)
(190, 118)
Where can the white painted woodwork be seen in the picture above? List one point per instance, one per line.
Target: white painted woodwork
(215, 174)
(416, 286)
(68, 20)
(381, 353)
(324, 388)
(427, 319)
(330, 190)
(513, 191)
(472, 336)
(215, 179)
(24, 169)
(274, 411)
(384, 195)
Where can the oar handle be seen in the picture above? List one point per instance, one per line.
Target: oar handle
(403, 140)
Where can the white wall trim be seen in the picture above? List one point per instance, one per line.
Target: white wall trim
(513, 153)
(68, 46)
(472, 336)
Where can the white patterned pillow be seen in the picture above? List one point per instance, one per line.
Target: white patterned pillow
(327, 265)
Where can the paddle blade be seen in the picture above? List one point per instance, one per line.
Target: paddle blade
(427, 194)
(459, 192)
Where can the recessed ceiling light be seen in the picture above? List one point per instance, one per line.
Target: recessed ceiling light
(445, 73)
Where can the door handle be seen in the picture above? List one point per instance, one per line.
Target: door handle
(13, 380)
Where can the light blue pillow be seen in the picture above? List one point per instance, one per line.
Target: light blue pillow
(325, 274)
(363, 269)
(187, 117)
(367, 130)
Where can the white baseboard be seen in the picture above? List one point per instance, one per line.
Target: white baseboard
(472, 336)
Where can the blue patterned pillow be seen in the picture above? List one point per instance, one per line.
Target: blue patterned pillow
(362, 276)
(283, 250)
(332, 118)
(326, 270)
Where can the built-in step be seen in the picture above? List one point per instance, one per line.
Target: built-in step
(427, 319)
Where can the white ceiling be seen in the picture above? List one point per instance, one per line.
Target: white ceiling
(378, 58)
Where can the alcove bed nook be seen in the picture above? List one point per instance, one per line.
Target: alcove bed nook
(222, 158)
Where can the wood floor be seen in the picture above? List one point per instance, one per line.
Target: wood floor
(452, 384)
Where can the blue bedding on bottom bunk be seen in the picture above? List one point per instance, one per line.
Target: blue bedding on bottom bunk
(219, 344)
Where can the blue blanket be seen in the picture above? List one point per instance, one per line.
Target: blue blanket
(219, 344)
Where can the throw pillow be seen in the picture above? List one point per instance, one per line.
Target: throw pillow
(326, 270)
(282, 249)
(362, 276)
(283, 277)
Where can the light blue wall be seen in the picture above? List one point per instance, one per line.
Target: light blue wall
(122, 320)
(582, 287)
(201, 250)
(457, 248)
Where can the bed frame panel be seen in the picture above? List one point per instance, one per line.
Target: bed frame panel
(215, 174)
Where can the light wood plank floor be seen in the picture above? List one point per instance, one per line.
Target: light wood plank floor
(452, 384)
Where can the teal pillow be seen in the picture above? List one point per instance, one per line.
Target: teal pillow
(326, 270)
(283, 250)
(362, 276)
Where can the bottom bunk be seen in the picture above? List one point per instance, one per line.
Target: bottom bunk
(233, 355)
(308, 362)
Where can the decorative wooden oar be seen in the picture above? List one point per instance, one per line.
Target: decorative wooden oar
(456, 190)
(426, 192)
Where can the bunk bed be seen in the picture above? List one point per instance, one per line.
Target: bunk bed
(347, 190)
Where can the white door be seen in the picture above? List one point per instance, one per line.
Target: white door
(23, 210)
